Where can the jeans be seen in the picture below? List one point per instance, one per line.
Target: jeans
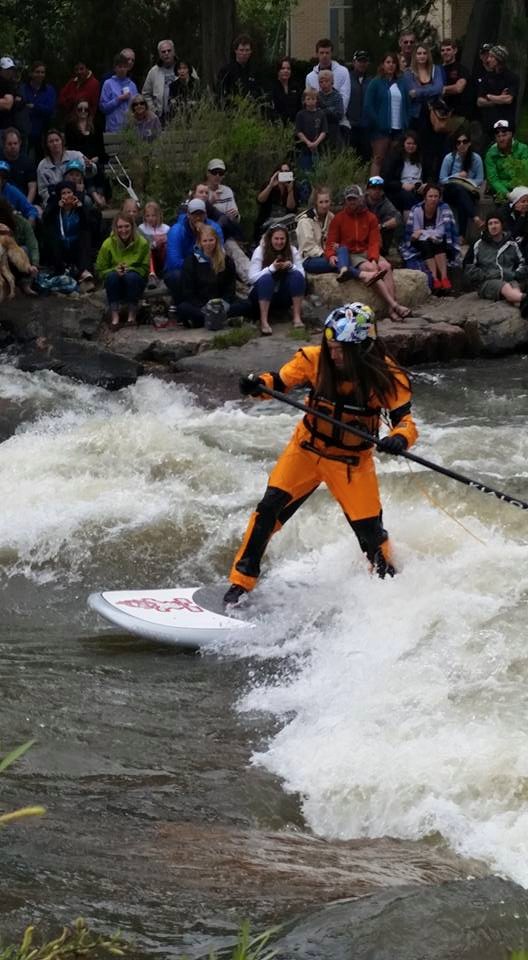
(124, 289)
(173, 281)
(318, 265)
(462, 202)
(343, 260)
(279, 290)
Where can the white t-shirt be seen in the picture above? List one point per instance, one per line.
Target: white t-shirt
(153, 234)
(396, 106)
(223, 199)
(412, 172)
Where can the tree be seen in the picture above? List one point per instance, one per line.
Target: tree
(267, 21)
(218, 22)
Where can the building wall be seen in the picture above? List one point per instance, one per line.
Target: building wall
(313, 19)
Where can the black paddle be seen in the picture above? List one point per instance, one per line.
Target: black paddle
(474, 484)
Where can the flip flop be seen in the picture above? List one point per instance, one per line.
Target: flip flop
(377, 276)
(266, 333)
(403, 312)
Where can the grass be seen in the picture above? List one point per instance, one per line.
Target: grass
(236, 337)
(74, 942)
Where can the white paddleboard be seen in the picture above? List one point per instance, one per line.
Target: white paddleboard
(182, 616)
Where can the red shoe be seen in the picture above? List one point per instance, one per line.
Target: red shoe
(437, 288)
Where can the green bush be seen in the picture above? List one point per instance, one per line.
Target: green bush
(249, 144)
(336, 170)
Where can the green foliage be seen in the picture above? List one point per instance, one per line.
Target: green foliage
(6, 762)
(236, 337)
(338, 170)
(74, 942)
(251, 147)
(247, 947)
(268, 20)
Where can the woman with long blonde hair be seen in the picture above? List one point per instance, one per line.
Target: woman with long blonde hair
(209, 283)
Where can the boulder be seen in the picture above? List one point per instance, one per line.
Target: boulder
(80, 360)
(491, 327)
(411, 286)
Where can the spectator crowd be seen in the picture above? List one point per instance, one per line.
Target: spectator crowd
(437, 139)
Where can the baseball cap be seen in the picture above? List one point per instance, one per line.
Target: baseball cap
(499, 51)
(375, 182)
(485, 47)
(354, 190)
(196, 205)
(74, 165)
(361, 55)
(216, 165)
(502, 125)
(5, 167)
(6, 63)
(516, 194)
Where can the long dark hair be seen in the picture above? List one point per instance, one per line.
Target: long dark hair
(269, 253)
(468, 159)
(366, 366)
(410, 135)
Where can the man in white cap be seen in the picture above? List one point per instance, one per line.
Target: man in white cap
(220, 195)
(181, 240)
(500, 172)
(515, 214)
(7, 92)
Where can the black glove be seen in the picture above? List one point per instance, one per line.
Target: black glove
(395, 444)
(250, 385)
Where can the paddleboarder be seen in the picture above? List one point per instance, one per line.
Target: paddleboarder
(353, 380)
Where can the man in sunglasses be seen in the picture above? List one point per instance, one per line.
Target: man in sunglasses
(497, 91)
(388, 217)
(500, 172)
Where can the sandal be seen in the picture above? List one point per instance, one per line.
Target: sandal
(298, 325)
(266, 331)
(402, 312)
(375, 277)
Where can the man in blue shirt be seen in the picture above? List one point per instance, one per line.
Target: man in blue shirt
(14, 196)
(181, 240)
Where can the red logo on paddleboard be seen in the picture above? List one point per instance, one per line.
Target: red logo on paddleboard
(163, 606)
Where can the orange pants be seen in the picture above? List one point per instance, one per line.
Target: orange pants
(295, 476)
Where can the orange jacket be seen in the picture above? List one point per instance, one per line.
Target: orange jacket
(359, 232)
(302, 370)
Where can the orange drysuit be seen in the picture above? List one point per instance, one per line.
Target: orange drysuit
(321, 452)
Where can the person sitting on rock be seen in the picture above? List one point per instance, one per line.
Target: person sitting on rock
(155, 233)
(181, 240)
(353, 246)
(496, 266)
(277, 276)
(515, 217)
(209, 280)
(14, 196)
(431, 240)
(123, 265)
(312, 231)
(277, 199)
(388, 217)
(500, 170)
(67, 245)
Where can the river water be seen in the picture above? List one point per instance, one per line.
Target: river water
(359, 708)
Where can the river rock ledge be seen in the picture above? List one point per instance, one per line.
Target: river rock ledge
(70, 335)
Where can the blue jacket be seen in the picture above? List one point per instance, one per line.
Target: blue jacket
(377, 109)
(424, 91)
(116, 110)
(181, 241)
(16, 198)
(43, 101)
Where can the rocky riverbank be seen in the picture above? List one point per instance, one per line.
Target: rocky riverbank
(70, 336)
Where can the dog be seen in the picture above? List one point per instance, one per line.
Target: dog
(11, 255)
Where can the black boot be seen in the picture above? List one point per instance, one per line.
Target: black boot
(234, 594)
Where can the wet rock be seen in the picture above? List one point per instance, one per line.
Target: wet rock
(468, 920)
(495, 328)
(411, 289)
(80, 360)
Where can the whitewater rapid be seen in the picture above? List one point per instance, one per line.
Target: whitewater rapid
(400, 705)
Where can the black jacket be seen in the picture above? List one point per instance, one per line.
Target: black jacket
(237, 79)
(200, 283)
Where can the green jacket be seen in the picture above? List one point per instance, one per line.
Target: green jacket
(502, 169)
(25, 237)
(135, 257)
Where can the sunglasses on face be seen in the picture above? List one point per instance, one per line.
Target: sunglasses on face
(463, 140)
(217, 173)
(82, 109)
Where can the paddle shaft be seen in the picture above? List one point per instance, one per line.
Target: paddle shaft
(474, 484)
